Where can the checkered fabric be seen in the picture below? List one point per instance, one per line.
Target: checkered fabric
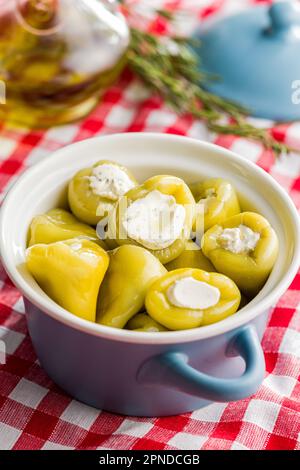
(36, 414)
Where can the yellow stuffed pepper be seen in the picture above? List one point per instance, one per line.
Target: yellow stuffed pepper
(191, 257)
(93, 192)
(245, 248)
(70, 272)
(217, 198)
(189, 298)
(142, 322)
(157, 215)
(131, 271)
(57, 225)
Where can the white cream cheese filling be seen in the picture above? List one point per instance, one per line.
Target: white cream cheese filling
(241, 239)
(155, 221)
(191, 293)
(109, 181)
(210, 194)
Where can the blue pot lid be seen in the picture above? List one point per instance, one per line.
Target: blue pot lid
(256, 55)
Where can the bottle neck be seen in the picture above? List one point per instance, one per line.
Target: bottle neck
(38, 16)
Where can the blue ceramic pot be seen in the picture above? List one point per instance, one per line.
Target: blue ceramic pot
(149, 379)
(136, 373)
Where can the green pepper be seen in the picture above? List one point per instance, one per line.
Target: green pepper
(218, 199)
(244, 301)
(166, 186)
(162, 310)
(57, 225)
(70, 272)
(142, 322)
(89, 200)
(191, 257)
(248, 267)
(131, 271)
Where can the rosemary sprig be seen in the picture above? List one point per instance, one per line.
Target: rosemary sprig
(170, 68)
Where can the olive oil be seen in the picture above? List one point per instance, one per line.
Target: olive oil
(57, 57)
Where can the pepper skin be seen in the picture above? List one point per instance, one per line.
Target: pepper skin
(70, 272)
(249, 270)
(84, 204)
(131, 271)
(142, 322)
(191, 257)
(170, 185)
(244, 302)
(161, 310)
(219, 199)
(57, 225)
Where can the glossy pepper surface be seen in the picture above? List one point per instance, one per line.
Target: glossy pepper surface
(131, 271)
(57, 225)
(70, 272)
(249, 269)
(84, 203)
(168, 185)
(191, 257)
(143, 322)
(218, 199)
(161, 309)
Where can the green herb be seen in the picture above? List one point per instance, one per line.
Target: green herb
(170, 68)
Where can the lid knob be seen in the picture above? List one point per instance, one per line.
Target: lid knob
(284, 16)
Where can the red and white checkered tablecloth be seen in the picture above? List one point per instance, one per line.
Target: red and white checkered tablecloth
(36, 414)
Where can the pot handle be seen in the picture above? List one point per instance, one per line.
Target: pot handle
(172, 370)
